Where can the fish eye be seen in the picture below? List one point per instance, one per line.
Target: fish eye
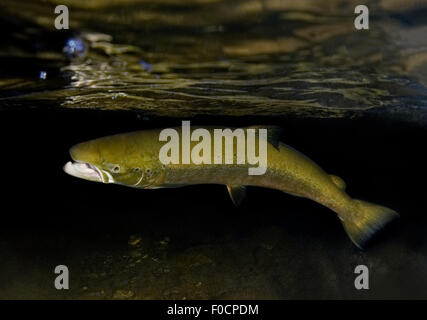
(148, 170)
(136, 169)
(116, 169)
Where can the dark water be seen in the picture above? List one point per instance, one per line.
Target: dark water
(353, 101)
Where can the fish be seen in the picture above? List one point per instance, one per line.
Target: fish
(132, 159)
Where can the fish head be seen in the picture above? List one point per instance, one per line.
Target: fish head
(115, 159)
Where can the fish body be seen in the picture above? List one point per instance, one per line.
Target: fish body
(132, 159)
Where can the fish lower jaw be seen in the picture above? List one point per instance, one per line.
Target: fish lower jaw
(83, 170)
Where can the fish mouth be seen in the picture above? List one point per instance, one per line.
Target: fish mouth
(84, 170)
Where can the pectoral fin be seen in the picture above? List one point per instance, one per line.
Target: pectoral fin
(295, 194)
(237, 193)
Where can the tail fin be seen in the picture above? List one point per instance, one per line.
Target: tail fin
(366, 220)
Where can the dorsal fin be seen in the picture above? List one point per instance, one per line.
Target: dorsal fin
(273, 134)
(237, 193)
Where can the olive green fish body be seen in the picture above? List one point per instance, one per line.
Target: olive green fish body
(132, 159)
